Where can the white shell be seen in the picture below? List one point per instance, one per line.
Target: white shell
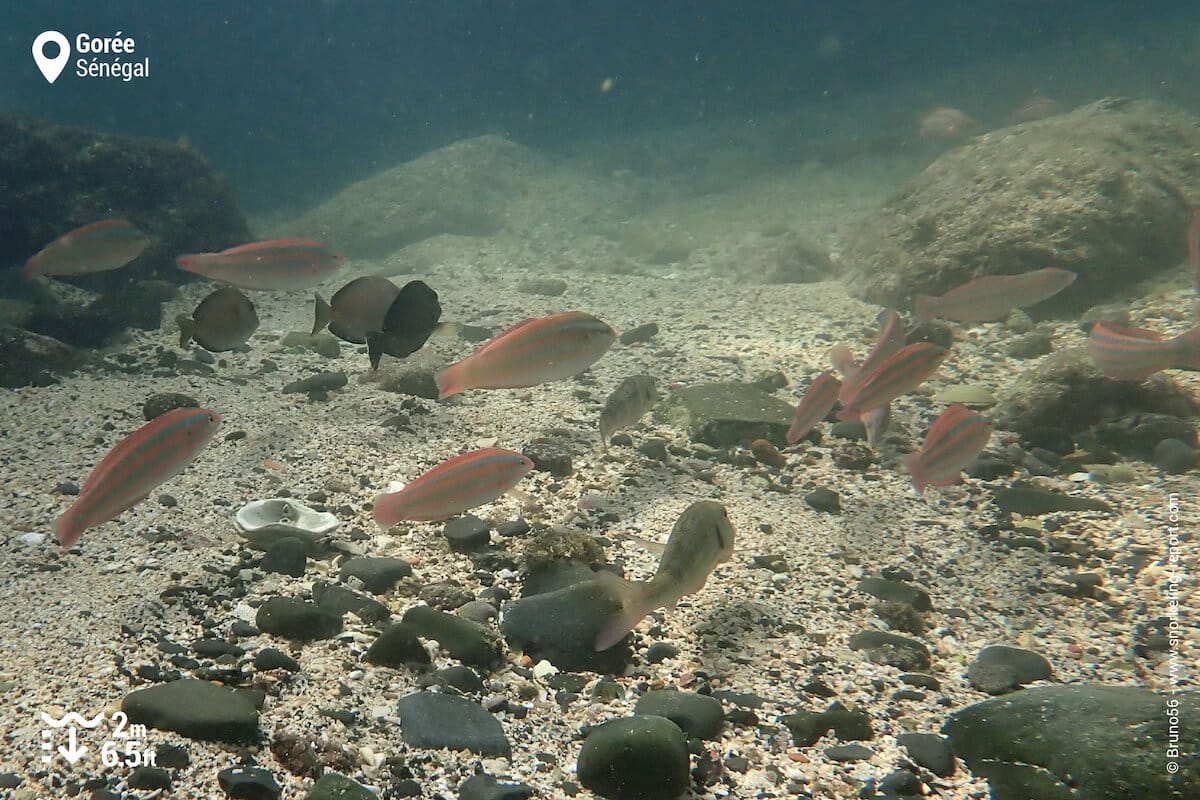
(264, 522)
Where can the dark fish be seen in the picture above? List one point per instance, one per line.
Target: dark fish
(223, 321)
(357, 309)
(632, 398)
(410, 320)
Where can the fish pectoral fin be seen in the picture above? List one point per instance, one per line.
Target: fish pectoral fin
(628, 596)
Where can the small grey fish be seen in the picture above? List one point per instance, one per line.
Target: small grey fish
(356, 309)
(410, 320)
(632, 398)
(701, 539)
(224, 320)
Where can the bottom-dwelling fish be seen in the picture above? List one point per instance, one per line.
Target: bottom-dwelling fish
(224, 320)
(1127, 354)
(452, 487)
(701, 539)
(632, 398)
(954, 440)
(151, 455)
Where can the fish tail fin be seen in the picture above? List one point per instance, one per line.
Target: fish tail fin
(186, 263)
(186, 328)
(631, 597)
(322, 313)
(924, 307)
(448, 382)
(919, 480)
(375, 348)
(69, 527)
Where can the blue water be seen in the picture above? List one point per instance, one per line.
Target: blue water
(295, 99)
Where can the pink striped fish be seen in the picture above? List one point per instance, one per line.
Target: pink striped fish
(530, 353)
(276, 265)
(99, 247)
(953, 442)
(993, 297)
(454, 486)
(816, 403)
(151, 455)
(1127, 354)
(898, 375)
(887, 344)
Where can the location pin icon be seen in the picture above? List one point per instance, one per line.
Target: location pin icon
(51, 67)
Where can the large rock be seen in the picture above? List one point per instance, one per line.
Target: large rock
(58, 178)
(1104, 191)
(28, 358)
(1080, 743)
(461, 189)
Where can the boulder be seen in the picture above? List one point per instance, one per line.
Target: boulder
(1104, 191)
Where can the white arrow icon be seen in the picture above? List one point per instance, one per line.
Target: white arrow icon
(51, 67)
(73, 750)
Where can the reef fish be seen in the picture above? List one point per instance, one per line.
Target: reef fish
(701, 538)
(1127, 354)
(275, 265)
(632, 398)
(99, 247)
(952, 443)
(529, 353)
(410, 320)
(356, 309)
(454, 486)
(151, 455)
(816, 403)
(887, 344)
(223, 321)
(994, 296)
(900, 374)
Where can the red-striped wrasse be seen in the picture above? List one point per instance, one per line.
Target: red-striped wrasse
(99, 247)
(887, 344)
(952, 444)
(151, 455)
(530, 353)
(816, 403)
(993, 297)
(454, 486)
(1127, 354)
(900, 374)
(275, 265)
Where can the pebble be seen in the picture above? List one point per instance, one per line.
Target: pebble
(485, 787)
(1031, 502)
(549, 457)
(1174, 457)
(897, 591)
(999, 669)
(341, 600)
(467, 641)
(660, 651)
(149, 778)
(433, 721)
(160, 403)
(272, 658)
(546, 287)
(825, 500)
(398, 646)
(286, 556)
(332, 786)
(642, 333)
(322, 344)
(248, 783)
(635, 758)
(929, 751)
(892, 649)
(378, 574)
(467, 533)
(848, 752)
(195, 709)
(697, 715)
(807, 727)
(292, 618)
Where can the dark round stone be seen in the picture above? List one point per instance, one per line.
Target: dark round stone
(636, 758)
(248, 783)
(286, 556)
(467, 533)
(158, 404)
(271, 658)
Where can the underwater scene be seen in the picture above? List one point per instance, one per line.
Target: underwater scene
(590, 399)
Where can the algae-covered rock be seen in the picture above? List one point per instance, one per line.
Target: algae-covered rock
(1081, 743)
(1104, 191)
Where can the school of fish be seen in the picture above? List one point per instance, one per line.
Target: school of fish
(398, 321)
